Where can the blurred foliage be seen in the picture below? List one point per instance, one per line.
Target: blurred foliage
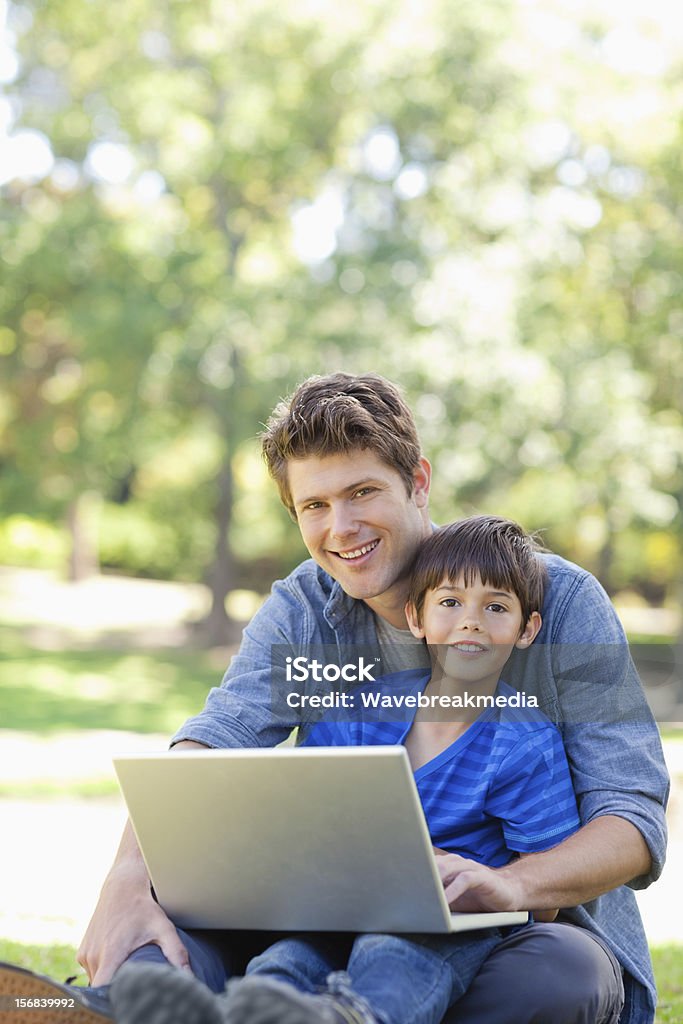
(31, 542)
(472, 199)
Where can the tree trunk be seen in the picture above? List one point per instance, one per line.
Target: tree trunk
(81, 521)
(217, 628)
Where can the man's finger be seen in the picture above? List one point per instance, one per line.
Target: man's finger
(450, 863)
(461, 884)
(174, 951)
(104, 971)
(168, 942)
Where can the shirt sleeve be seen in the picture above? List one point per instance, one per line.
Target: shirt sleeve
(610, 736)
(532, 793)
(249, 708)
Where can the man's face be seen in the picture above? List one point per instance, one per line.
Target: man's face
(357, 520)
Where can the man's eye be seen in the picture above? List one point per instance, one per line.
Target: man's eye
(313, 506)
(362, 491)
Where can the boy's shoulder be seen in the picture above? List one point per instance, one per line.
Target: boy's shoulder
(520, 715)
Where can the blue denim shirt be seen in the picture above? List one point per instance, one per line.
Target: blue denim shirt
(579, 667)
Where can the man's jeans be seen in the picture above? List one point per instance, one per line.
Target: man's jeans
(540, 974)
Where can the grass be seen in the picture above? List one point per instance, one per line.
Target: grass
(137, 691)
(60, 961)
(668, 964)
(147, 692)
(59, 789)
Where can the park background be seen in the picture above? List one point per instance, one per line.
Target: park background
(201, 203)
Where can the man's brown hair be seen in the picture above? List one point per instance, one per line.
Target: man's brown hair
(496, 549)
(337, 414)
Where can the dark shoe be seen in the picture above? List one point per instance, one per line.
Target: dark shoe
(28, 998)
(159, 994)
(258, 999)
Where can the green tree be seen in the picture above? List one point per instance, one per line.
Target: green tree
(244, 195)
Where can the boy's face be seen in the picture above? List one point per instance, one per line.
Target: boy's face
(358, 521)
(471, 631)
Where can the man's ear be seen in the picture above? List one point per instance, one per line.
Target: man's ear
(422, 478)
(530, 631)
(413, 624)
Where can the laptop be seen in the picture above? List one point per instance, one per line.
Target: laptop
(290, 839)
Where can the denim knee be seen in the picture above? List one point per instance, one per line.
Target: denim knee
(302, 960)
(206, 959)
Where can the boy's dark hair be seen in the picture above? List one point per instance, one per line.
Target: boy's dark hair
(338, 414)
(496, 549)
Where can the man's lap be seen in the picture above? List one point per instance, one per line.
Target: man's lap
(545, 974)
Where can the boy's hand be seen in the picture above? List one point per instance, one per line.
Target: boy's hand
(472, 887)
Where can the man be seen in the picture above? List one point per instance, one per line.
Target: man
(345, 455)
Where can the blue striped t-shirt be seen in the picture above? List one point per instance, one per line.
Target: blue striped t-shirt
(503, 786)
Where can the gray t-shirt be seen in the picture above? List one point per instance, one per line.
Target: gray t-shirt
(399, 649)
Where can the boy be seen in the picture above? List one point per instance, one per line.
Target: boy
(492, 786)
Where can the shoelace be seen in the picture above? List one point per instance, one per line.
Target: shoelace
(351, 1007)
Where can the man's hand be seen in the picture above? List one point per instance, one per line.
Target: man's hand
(126, 917)
(605, 853)
(472, 887)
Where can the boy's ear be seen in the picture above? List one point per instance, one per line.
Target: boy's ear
(530, 631)
(413, 624)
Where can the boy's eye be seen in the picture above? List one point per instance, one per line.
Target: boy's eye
(448, 602)
(497, 607)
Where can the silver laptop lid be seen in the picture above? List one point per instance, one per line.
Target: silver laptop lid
(286, 839)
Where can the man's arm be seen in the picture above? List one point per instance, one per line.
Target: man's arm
(127, 916)
(611, 741)
(240, 713)
(605, 853)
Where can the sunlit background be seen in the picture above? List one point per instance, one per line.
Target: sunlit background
(204, 202)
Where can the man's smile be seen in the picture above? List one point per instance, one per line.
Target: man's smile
(356, 553)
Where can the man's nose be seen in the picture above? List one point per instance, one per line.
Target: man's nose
(343, 522)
